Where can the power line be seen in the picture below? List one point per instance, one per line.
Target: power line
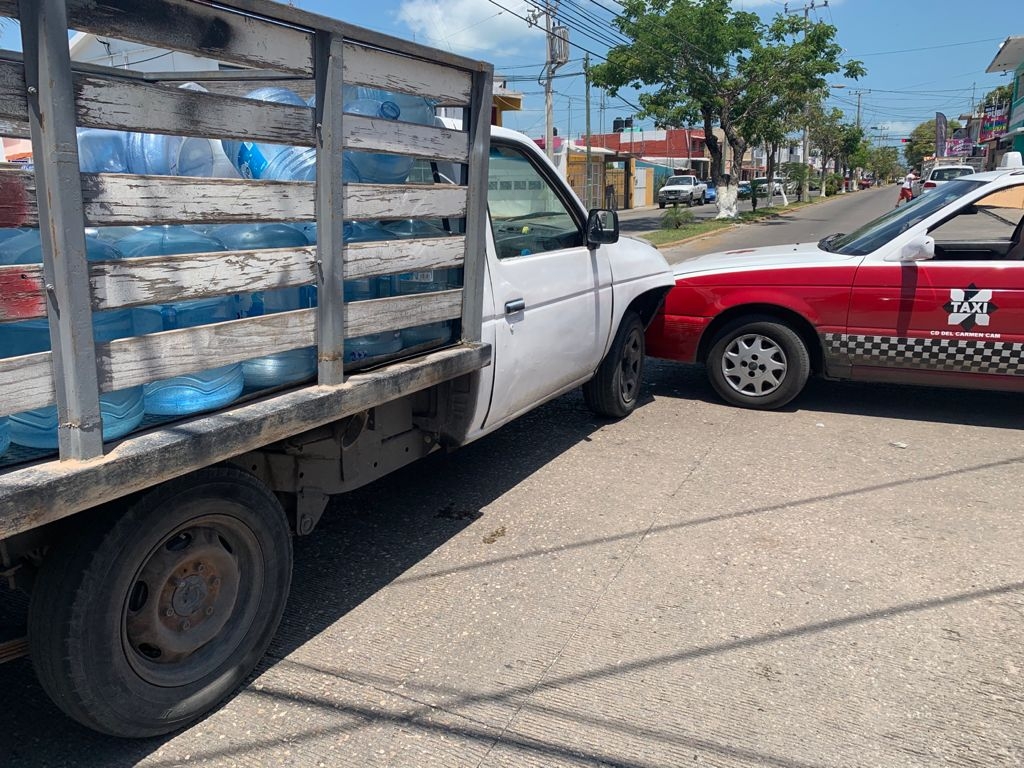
(931, 47)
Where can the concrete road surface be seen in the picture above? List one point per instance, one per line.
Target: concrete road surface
(837, 584)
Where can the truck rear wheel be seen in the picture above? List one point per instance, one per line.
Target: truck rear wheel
(614, 390)
(139, 626)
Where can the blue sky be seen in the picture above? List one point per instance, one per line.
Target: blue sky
(922, 56)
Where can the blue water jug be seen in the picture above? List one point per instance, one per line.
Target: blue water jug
(260, 160)
(102, 151)
(379, 168)
(363, 349)
(121, 411)
(295, 365)
(424, 281)
(160, 155)
(192, 392)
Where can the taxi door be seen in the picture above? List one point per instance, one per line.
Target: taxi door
(957, 318)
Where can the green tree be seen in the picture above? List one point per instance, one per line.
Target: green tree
(883, 162)
(826, 132)
(706, 61)
(922, 142)
(850, 140)
(1003, 94)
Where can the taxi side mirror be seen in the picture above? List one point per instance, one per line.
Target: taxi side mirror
(920, 248)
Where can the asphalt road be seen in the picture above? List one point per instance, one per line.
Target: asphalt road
(836, 584)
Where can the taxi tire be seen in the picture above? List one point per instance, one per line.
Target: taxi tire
(798, 362)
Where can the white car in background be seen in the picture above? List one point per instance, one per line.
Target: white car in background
(941, 174)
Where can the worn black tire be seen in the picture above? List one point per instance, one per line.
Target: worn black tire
(150, 616)
(703, 198)
(661, 205)
(689, 201)
(615, 388)
(758, 362)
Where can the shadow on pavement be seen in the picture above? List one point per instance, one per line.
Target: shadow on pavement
(938, 405)
(366, 539)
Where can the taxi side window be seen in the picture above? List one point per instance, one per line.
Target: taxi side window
(527, 215)
(988, 229)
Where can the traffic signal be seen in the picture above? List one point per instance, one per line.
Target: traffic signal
(905, 141)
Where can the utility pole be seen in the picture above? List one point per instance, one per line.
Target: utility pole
(805, 185)
(589, 185)
(557, 40)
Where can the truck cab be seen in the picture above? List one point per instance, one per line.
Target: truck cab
(553, 293)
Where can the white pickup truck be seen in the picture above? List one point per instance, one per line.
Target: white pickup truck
(159, 563)
(682, 189)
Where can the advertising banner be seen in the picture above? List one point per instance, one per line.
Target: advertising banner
(940, 134)
(959, 147)
(994, 122)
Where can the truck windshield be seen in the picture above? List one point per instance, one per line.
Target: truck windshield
(877, 233)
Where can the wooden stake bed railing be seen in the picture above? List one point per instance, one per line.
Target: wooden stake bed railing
(47, 97)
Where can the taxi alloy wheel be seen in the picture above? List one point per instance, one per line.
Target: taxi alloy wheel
(758, 363)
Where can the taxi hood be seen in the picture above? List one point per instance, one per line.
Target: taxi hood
(775, 256)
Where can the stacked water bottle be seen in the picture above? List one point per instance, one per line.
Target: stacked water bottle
(104, 151)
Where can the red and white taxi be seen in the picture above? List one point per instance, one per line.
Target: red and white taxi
(929, 293)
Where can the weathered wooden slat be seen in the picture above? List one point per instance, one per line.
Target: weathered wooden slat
(292, 15)
(382, 69)
(120, 199)
(21, 292)
(137, 106)
(42, 493)
(397, 201)
(378, 315)
(124, 105)
(395, 256)
(13, 105)
(185, 25)
(14, 129)
(18, 207)
(378, 135)
(130, 362)
(164, 279)
(26, 382)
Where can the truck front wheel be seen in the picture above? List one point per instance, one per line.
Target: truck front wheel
(614, 390)
(140, 625)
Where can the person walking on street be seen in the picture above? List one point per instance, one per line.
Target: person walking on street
(906, 188)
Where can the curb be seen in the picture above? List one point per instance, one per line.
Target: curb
(773, 215)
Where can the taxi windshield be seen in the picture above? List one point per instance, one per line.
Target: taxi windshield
(877, 233)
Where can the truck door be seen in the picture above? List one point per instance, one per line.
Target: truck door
(552, 299)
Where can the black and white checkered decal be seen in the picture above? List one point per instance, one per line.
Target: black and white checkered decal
(958, 355)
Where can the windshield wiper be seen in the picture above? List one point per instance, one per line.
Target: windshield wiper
(826, 242)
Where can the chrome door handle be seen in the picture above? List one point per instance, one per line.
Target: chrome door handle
(516, 305)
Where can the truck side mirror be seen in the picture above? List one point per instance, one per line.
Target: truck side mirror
(602, 227)
(921, 248)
